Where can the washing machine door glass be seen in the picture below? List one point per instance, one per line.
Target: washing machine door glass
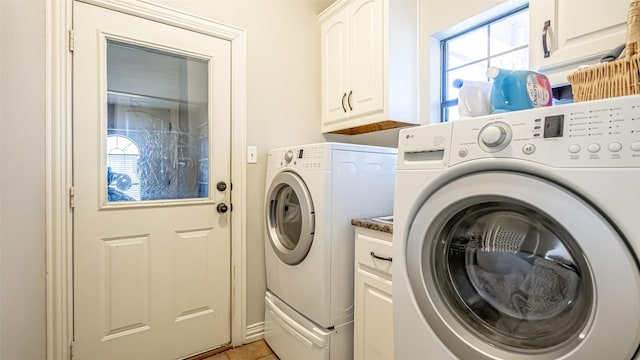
(512, 274)
(289, 218)
(506, 265)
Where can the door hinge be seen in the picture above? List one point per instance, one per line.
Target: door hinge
(72, 350)
(71, 41)
(72, 197)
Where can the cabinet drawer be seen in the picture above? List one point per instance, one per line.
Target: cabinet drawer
(374, 250)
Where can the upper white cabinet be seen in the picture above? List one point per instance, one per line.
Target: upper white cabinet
(567, 33)
(369, 65)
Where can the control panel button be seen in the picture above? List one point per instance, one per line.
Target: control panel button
(463, 152)
(635, 146)
(529, 149)
(574, 148)
(593, 148)
(615, 147)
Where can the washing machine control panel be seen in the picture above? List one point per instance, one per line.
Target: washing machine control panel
(304, 157)
(602, 133)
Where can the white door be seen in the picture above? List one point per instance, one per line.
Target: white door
(151, 130)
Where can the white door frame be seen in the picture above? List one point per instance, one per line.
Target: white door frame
(59, 226)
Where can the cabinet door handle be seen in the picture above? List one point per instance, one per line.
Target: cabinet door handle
(344, 107)
(545, 31)
(349, 100)
(380, 257)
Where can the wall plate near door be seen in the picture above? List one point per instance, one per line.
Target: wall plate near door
(252, 154)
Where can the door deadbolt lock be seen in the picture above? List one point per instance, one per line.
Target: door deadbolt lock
(221, 186)
(222, 208)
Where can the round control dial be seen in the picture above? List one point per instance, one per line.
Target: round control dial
(495, 136)
(288, 156)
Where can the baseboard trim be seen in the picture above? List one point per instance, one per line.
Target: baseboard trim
(254, 332)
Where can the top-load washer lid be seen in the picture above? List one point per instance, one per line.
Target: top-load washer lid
(290, 217)
(511, 266)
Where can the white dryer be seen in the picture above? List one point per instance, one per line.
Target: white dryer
(516, 236)
(312, 194)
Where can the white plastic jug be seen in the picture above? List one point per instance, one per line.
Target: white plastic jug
(473, 97)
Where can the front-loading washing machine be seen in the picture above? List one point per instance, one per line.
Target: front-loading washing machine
(516, 235)
(312, 193)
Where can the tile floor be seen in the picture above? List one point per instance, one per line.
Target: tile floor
(258, 350)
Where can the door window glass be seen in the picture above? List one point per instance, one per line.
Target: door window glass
(123, 183)
(288, 217)
(158, 101)
(512, 276)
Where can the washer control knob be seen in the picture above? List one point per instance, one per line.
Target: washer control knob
(288, 156)
(493, 135)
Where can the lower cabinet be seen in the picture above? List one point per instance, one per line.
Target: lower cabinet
(373, 316)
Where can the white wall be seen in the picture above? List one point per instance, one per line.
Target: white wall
(22, 183)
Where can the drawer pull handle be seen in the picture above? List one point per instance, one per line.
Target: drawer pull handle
(380, 257)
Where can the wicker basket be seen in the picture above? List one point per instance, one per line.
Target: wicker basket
(617, 78)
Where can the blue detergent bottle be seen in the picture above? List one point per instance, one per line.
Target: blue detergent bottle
(518, 90)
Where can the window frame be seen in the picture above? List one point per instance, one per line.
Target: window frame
(447, 103)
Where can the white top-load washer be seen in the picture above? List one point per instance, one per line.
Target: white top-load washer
(312, 193)
(516, 235)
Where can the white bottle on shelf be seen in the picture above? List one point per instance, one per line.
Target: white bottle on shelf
(473, 97)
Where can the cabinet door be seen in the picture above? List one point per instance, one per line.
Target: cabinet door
(578, 31)
(367, 53)
(334, 44)
(373, 317)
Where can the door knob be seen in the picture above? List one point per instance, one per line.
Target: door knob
(222, 208)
